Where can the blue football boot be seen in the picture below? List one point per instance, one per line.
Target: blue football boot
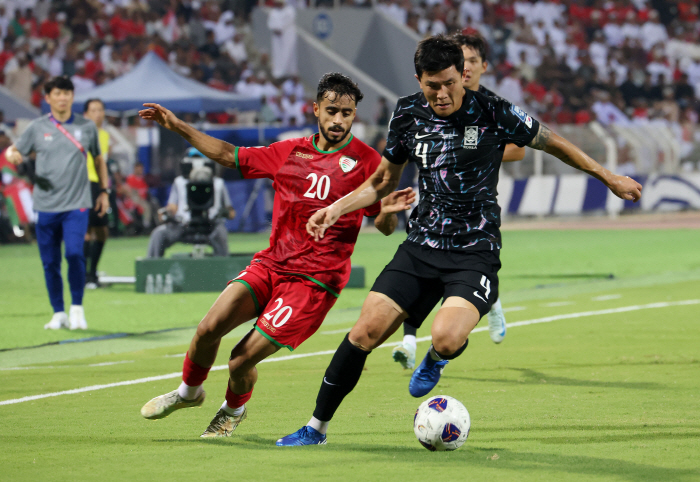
(304, 436)
(426, 376)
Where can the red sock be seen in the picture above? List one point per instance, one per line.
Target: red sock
(234, 400)
(192, 374)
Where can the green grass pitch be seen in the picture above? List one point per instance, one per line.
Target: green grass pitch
(605, 385)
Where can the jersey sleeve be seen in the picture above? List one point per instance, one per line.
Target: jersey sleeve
(371, 166)
(172, 197)
(25, 142)
(259, 162)
(396, 150)
(518, 126)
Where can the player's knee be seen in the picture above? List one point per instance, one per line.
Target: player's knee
(207, 332)
(365, 338)
(74, 255)
(447, 345)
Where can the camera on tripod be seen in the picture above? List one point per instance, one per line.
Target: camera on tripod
(200, 195)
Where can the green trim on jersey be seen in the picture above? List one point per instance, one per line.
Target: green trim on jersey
(325, 287)
(235, 158)
(252, 293)
(313, 141)
(274, 342)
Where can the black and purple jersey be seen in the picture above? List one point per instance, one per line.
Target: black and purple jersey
(458, 158)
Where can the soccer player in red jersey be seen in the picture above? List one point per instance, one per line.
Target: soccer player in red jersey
(290, 286)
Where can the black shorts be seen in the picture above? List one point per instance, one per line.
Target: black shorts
(419, 277)
(96, 221)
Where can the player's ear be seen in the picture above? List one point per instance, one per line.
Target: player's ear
(317, 109)
(485, 65)
(417, 78)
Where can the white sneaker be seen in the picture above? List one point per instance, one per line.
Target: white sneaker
(58, 321)
(77, 318)
(405, 355)
(497, 322)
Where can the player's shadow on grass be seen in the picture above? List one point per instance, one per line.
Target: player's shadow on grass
(595, 436)
(523, 462)
(532, 377)
(569, 427)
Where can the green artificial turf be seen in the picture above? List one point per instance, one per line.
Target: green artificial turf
(598, 395)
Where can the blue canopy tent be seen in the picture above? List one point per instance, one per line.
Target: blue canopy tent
(14, 108)
(151, 80)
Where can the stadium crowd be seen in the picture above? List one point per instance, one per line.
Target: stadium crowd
(568, 61)
(616, 61)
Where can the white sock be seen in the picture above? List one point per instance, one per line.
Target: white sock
(318, 425)
(189, 393)
(409, 340)
(234, 412)
(433, 354)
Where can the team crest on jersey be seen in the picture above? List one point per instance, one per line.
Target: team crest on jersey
(471, 137)
(48, 137)
(347, 163)
(78, 134)
(522, 115)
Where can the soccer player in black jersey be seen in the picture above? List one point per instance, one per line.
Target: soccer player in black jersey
(475, 51)
(457, 137)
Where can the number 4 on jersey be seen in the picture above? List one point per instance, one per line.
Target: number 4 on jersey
(422, 152)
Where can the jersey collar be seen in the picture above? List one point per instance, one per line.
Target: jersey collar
(313, 141)
(70, 119)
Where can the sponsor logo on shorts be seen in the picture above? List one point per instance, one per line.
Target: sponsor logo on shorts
(304, 156)
(267, 325)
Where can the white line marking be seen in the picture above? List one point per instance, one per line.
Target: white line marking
(178, 355)
(104, 364)
(107, 364)
(557, 303)
(547, 319)
(335, 332)
(514, 308)
(606, 297)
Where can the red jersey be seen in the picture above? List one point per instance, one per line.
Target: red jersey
(306, 179)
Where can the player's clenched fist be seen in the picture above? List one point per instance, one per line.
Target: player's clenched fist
(160, 114)
(626, 188)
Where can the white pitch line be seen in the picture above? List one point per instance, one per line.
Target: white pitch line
(556, 304)
(547, 319)
(606, 297)
(514, 308)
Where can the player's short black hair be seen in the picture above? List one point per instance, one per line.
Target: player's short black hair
(340, 84)
(476, 42)
(438, 53)
(59, 82)
(90, 101)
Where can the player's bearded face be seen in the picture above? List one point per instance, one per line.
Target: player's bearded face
(335, 116)
(443, 90)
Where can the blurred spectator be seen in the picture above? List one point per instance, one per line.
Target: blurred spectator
(293, 111)
(284, 39)
(18, 77)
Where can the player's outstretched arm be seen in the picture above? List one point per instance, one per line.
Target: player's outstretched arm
(215, 149)
(380, 184)
(622, 186)
(395, 202)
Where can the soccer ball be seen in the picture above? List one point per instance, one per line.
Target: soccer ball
(441, 423)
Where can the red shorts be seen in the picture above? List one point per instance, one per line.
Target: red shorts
(290, 307)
